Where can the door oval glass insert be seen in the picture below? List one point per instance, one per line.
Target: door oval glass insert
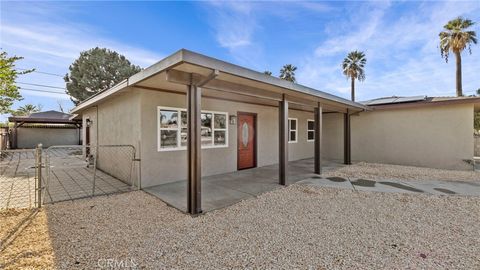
(245, 134)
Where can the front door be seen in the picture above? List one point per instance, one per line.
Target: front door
(246, 140)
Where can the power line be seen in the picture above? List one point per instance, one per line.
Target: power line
(41, 90)
(41, 72)
(42, 85)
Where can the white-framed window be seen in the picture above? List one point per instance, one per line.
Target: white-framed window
(172, 129)
(310, 130)
(292, 130)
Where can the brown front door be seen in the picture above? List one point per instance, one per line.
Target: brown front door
(246, 140)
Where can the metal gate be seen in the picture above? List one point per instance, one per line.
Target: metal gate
(78, 171)
(31, 177)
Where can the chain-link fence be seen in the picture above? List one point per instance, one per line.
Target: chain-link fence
(66, 173)
(18, 178)
(83, 171)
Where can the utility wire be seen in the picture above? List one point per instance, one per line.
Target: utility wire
(41, 72)
(41, 90)
(42, 85)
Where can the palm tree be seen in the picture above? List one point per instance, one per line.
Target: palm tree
(456, 38)
(27, 109)
(266, 72)
(353, 67)
(288, 72)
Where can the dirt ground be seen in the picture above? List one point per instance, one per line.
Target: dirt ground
(294, 227)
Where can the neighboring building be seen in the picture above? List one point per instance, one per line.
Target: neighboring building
(48, 128)
(434, 132)
(243, 119)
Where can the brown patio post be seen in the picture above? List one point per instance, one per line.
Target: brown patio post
(318, 139)
(283, 140)
(194, 149)
(347, 146)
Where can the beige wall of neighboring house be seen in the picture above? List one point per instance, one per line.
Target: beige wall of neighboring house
(427, 136)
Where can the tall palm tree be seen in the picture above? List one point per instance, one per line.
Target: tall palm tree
(456, 38)
(288, 72)
(27, 109)
(353, 67)
(267, 72)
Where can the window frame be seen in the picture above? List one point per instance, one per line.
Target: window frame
(179, 129)
(311, 130)
(294, 130)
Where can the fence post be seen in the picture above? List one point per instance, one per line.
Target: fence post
(94, 170)
(38, 168)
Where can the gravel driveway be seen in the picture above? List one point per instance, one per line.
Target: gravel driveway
(295, 227)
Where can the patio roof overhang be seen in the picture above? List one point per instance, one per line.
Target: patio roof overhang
(231, 82)
(197, 76)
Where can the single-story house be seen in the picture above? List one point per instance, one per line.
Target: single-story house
(191, 116)
(48, 128)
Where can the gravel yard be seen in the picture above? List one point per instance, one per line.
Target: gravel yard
(294, 227)
(375, 171)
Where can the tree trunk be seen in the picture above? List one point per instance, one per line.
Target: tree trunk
(353, 89)
(459, 74)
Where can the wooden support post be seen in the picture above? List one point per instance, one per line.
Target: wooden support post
(283, 140)
(194, 149)
(318, 139)
(347, 156)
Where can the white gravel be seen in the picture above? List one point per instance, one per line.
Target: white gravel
(295, 227)
(375, 171)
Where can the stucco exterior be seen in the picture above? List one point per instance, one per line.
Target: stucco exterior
(162, 167)
(115, 122)
(436, 136)
(430, 136)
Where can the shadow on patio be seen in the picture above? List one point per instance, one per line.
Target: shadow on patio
(222, 190)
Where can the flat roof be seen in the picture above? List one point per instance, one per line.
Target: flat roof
(420, 101)
(227, 71)
(54, 117)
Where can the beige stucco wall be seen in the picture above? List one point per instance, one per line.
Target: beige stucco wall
(438, 137)
(332, 136)
(30, 137)
(163, 167)
(118, 123)
(435, 136)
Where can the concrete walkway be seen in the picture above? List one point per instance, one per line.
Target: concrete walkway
(411, 186)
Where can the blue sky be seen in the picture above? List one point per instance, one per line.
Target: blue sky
(400, 40)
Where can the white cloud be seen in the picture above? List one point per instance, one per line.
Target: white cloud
(237, 25)
(32, 31)
(402, 53)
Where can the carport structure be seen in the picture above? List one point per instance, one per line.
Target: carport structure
(198, 76)
(47, 119)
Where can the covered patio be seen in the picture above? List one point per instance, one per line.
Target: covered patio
(222, 190)
(242, 98)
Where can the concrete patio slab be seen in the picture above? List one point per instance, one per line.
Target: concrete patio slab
(222, 190)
